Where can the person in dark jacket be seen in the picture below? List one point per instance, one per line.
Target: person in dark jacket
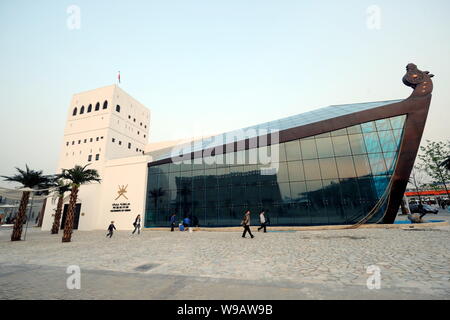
(246, 224)
(110, 229)
(137, 224)
(172, 221)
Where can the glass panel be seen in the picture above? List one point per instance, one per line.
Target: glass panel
(351, 200)
(357, 144)
(309, 150)
(153, 182)
(387, 141)
(163, 181)
(380, 183)
(398, 137)
(346, 167)
(328, 168)
(323, 135)
(312, 169)
(164, 168)
(383, 124)
(240, 157)
(296, 171)
(317, 209)
(362, 165)
(285, 191)
(293, 150)
(390, 158)
(340, 132)
(230, 158)
(282, 175)
(270, 194)
(354, 129)
(173, 180)
(211, 215)
(238, 195)
(332, 196)
(282, 152)
(372, 143)
(314, 185)
(324, 147)
(368, 127)
(198, 198)
(341, 146)
(377, 163)
(398, 122)
(298, 190)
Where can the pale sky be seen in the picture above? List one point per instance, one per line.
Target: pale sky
(210, 66)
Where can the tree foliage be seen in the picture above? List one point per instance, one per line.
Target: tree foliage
(79, 175)
(433, 155)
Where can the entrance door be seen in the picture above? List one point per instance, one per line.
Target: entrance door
(76, 217)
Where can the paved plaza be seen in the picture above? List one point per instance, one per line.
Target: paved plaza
(414, 263)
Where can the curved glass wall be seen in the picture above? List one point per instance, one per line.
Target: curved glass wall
(332, 178)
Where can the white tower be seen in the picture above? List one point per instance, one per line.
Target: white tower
(102, 125)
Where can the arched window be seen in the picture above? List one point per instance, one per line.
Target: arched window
(82, 110)
(74, 113)
(105, 104)
(97, 106)
(89, 108)
(118, 108)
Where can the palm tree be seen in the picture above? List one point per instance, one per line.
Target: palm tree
(60, 191)
(75, 177)
(29, 179)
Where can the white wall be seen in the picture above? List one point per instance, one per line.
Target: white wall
(132, 174)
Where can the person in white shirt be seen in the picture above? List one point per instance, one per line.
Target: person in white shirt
(262, 220)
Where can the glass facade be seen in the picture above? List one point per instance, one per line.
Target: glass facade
(332, 178)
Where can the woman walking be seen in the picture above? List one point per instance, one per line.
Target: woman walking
(137, 224)
(246, 224)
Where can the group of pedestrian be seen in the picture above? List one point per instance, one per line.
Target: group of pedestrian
(187, 223)
(263, 220)
(136, 225)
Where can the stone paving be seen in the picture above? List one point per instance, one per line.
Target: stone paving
(331, 264)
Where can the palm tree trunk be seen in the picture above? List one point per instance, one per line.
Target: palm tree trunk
(17, 231)
(70, 215)
(55, 227)
(41, 214)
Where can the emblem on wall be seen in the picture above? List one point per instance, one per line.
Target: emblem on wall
(121, 206)
(122, 191)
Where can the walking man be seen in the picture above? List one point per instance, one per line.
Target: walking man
(172, 221)
(246, 224)
(262, 220)
(137, 224)
(110, 229)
